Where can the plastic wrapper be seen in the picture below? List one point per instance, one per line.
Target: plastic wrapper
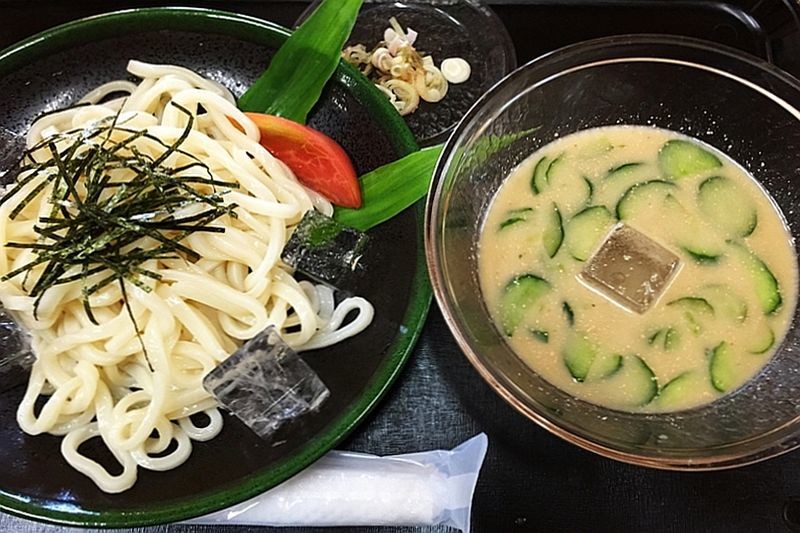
(326, 251)
(354, 489)
(265, 384)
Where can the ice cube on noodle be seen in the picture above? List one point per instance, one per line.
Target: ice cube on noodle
(326, 251)
(266, 384)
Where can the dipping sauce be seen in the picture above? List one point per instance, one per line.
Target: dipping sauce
(638, 269)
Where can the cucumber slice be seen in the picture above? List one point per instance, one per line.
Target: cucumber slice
(701, 256)
(520, 294)
(510, 222)
(605, 366)
(695, 310)
(666, 338)
(596, 148)
(590, 188)
(692, 235)
(656, 338)
(725, 301)
(585, 229)
(543, 171)
(539, 177)
(676, 390)
(766, 287)
(671, 339)
(514, 216)
(642, 385)
(569, 313)
(553, 167)
(723, 367)
(694, 304)
(623, 170)
(727, 206)
(541, 336)
(762, 340)
(642, 197)
(553, 232)
(680, 159)
(567, 187)
(579, 354)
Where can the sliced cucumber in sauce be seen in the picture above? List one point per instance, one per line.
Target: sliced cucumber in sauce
(567, 186)
(605, 366)
(726, 303)
(643, 196)
(695, 310)
(515, 216)
(676, 390)
(762, 340)
(693, 304)
(765, 284)
(568, 313)
(623, 170)
(584, 231)
(540, 335)
(666, 338)
(519, 295)
(539, 177)
(511, 221)
(701, 255)
(722, 367)
(553, 232)
(579, 354)
(642, 383)
(680, 159)
(590, 188)
(727, 206)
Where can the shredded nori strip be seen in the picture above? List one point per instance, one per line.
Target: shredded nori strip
(97, 217)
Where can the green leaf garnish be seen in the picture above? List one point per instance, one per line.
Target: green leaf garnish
(298, 72)
(388, 190)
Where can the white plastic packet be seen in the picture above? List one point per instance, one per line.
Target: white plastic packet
(356, 489)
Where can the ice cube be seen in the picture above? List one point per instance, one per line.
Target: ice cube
(12, 148)
(326, 251)
(16, 356)
(630, 268)
(266, 384)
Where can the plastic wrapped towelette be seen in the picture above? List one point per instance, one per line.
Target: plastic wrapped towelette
(355, 489)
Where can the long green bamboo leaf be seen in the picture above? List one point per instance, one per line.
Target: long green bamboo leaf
(298, 72)
(389, 189)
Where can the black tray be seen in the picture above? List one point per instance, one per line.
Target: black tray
(531, 480)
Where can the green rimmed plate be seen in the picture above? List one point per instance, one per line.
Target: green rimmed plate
(55, 68)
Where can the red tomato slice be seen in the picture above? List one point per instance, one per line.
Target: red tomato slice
(317, 160)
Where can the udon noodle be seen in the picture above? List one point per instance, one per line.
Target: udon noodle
(93, 380)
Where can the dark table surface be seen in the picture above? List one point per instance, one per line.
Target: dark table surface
(531, 480)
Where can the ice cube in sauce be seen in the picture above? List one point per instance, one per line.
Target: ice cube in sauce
(630, 268)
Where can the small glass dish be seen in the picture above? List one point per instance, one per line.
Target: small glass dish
(463, 28)
(738, 103)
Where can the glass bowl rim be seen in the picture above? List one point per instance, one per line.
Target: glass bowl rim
(605, 50)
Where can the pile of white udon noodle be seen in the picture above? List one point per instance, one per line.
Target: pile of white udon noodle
(96, 379)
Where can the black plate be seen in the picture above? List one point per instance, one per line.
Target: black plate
(57, 67)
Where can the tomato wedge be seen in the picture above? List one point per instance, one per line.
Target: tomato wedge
(317, 160)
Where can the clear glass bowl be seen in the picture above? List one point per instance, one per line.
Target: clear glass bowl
(738, 103)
